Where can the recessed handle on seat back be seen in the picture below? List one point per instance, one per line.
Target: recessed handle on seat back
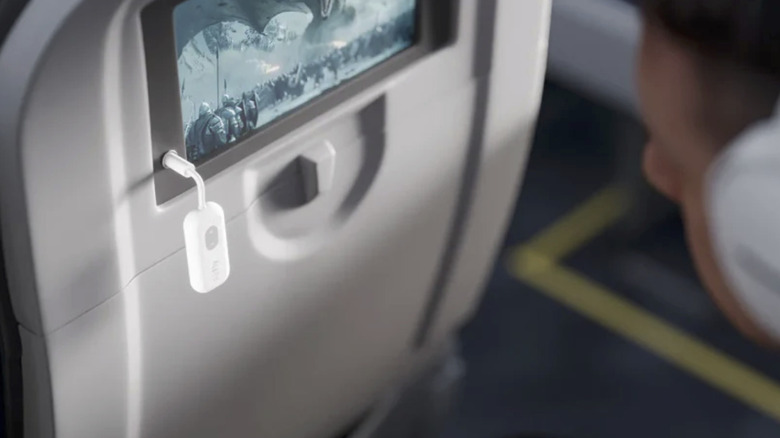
(318, 170)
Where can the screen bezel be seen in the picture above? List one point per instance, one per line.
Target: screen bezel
(435, 29)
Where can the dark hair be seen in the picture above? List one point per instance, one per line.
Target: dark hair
(745, 32)
(738, 43)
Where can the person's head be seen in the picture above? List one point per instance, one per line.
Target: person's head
(205, 108)
(707, 70)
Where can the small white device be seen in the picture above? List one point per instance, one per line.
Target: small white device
(205, 236)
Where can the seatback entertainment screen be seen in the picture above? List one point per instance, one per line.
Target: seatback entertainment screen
(244, 63)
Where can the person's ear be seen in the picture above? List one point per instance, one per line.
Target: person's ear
(661, 173)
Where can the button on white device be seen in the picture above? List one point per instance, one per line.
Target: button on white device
(205, 234)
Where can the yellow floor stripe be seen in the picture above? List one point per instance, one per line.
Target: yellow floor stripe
(640, 326)
(537, 265)
(583, 224)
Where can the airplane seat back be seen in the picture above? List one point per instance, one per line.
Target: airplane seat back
(367, 157)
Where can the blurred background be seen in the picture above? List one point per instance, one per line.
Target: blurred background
(618, 338)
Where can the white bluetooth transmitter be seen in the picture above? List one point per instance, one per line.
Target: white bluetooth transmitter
(205, 235)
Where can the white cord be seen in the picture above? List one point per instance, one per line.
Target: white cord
(173, 161)
(201, 186)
